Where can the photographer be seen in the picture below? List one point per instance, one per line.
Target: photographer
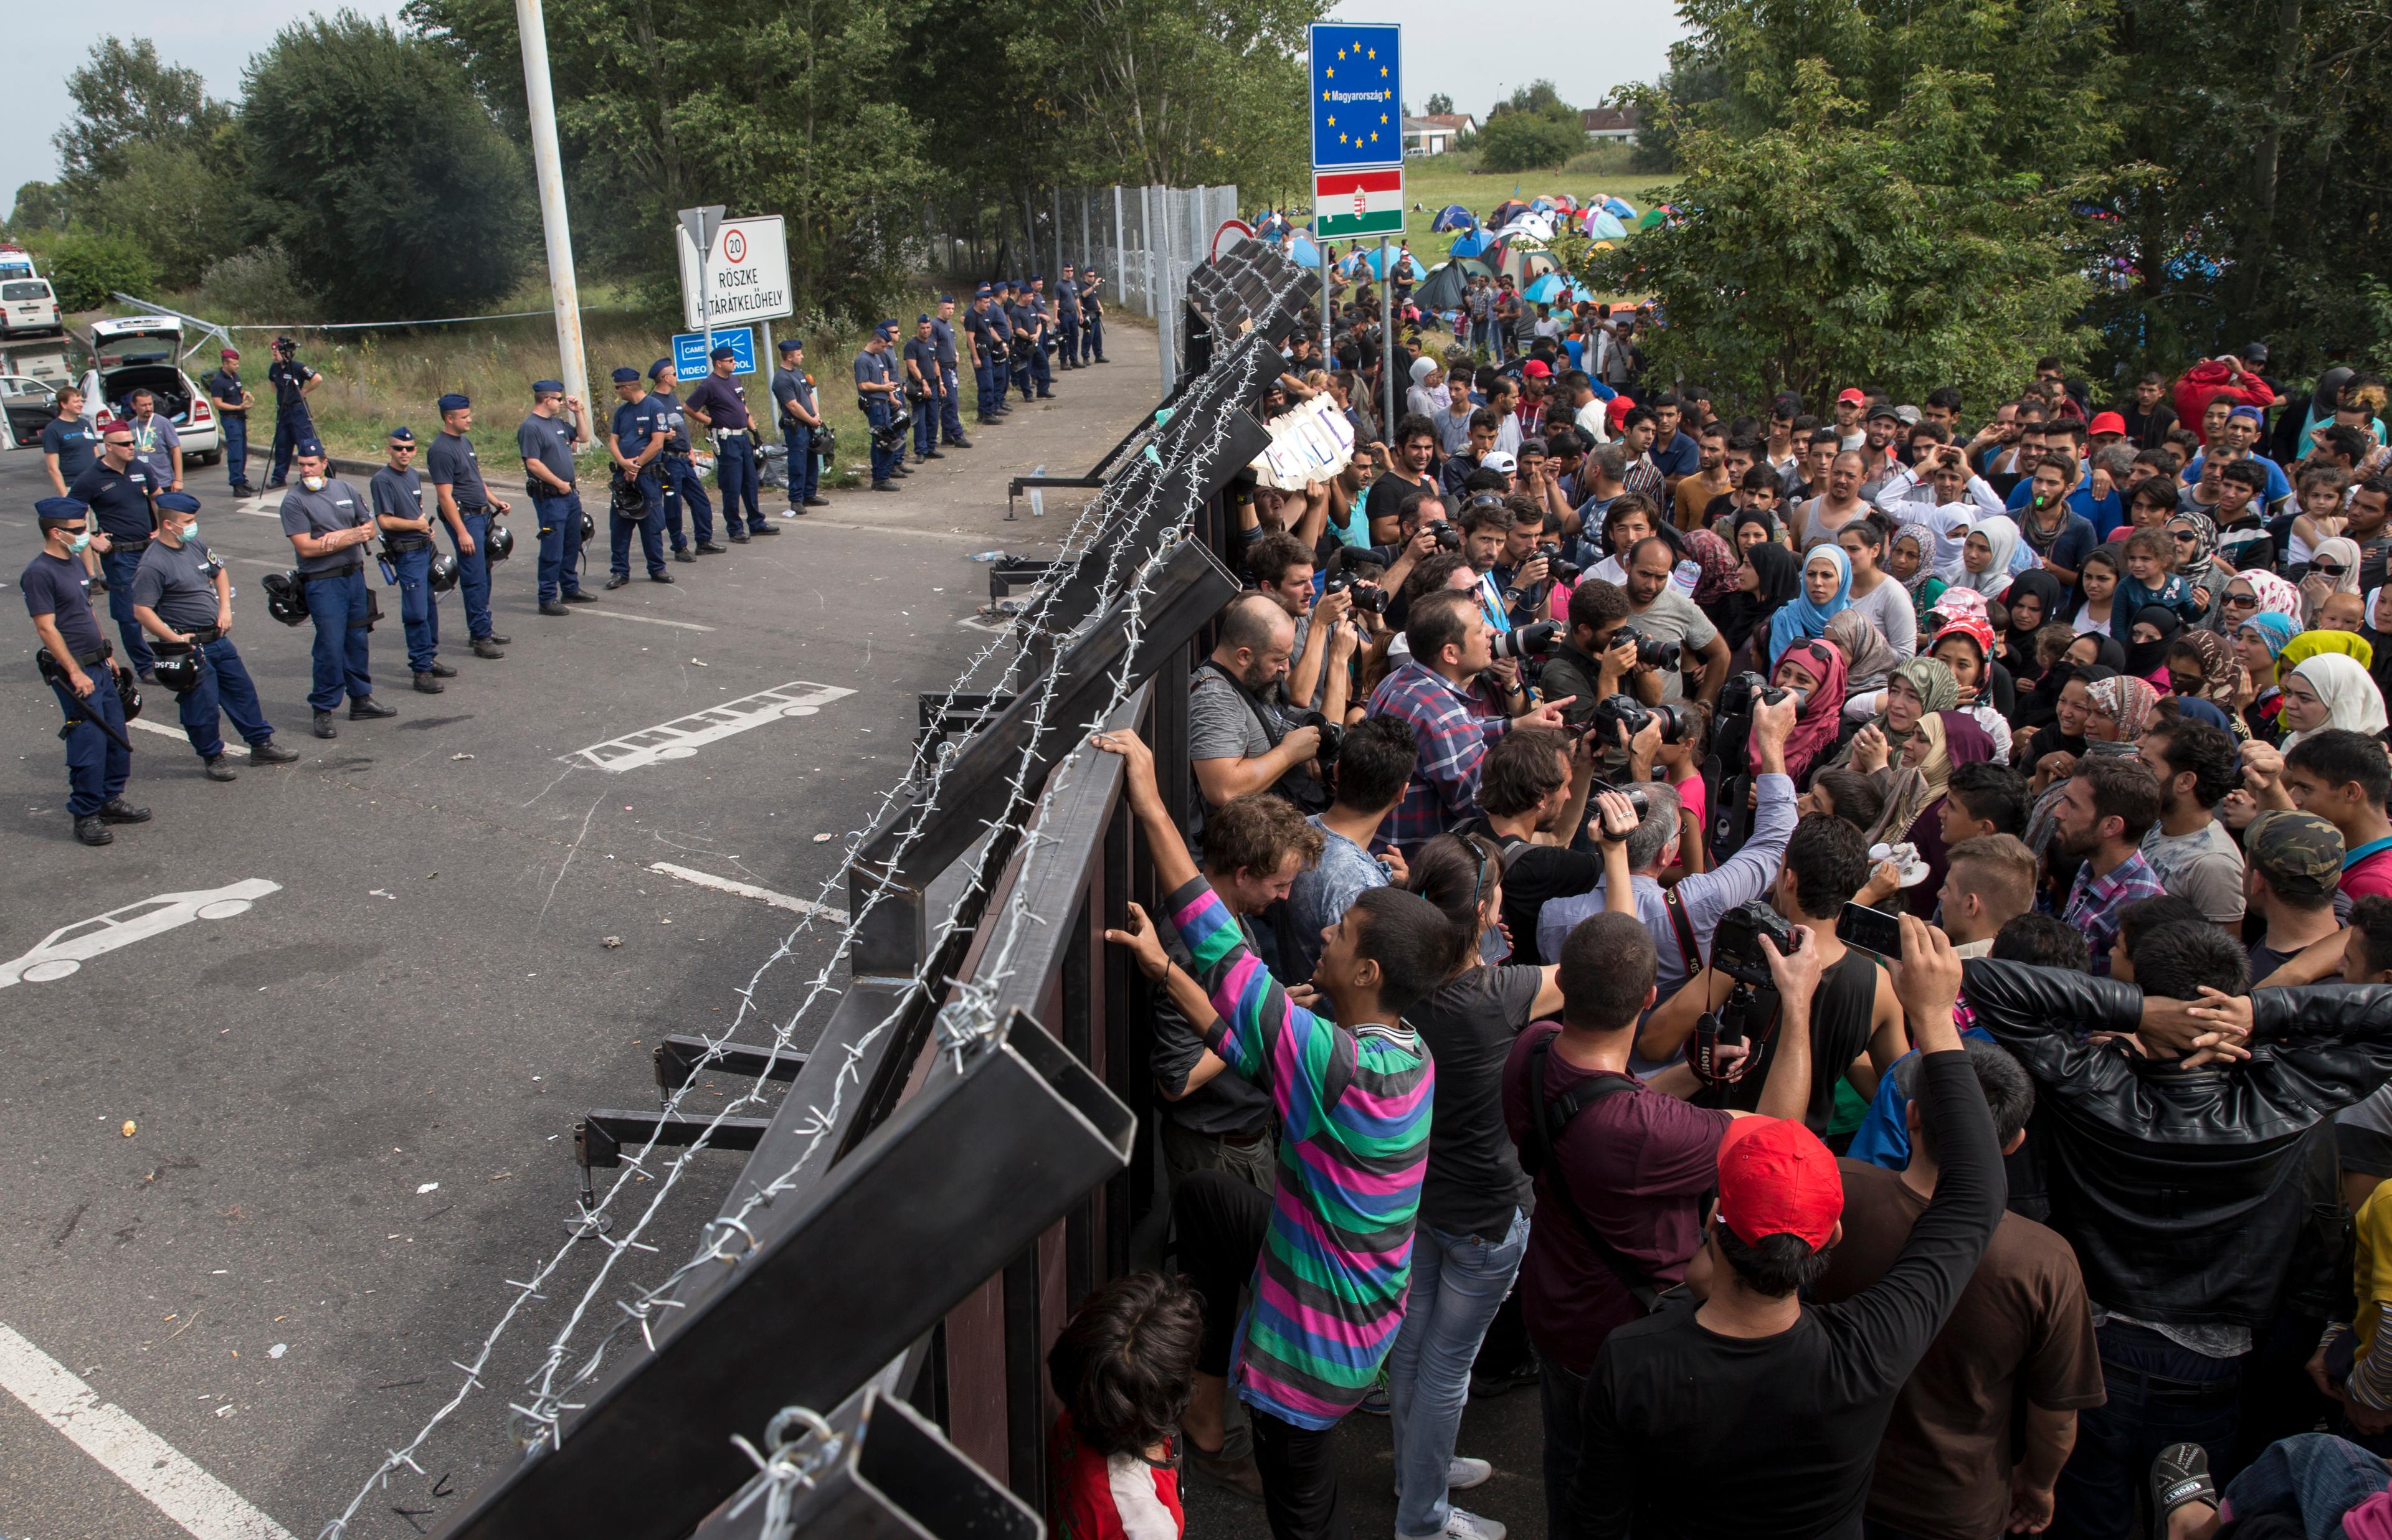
(1681, 921)
(1237, 740)
(1532, 800)
(1598, 658)
(1855, 1021)
(1319, 674)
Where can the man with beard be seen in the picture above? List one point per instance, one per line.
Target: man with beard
(1237, 740)
(2109, 806)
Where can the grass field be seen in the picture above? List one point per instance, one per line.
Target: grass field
(1433, 181)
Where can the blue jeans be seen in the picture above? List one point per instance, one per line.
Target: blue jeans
(473, 570)
(735, 475)
(560, 544)
(337, 605)
(224, 688)
(650, 524)
(2315, 1477)
(951, 416)
(2159, 1394)
(288, 431)
(926, 425)
(236, 448)
(419, 608)
(1092, 338)
(1458, 1282)
(803, 469)
(679, 484)
(98, 764)
(884, 461)
(119, 566)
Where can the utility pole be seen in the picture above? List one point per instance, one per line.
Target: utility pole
(564, 293)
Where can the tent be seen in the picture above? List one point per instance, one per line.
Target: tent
(1507, 212)
(1650, 218)
(1565, 202)
(1554, 287)
(1447, 282)
(1405, 263)
(1604, 225)
(1473, 244)
(1453, 216)
(1522, 262)
(1540, 205)
(1617, 205)
(1529, 228)
(1304, 254)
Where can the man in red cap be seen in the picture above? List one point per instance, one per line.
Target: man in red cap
(232, 401)
(1851, 404)
(2107, 428)
(1749, 1413)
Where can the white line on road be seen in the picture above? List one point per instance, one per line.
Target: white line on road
(174, 732)
(133, 1453)
(749, 890)
(684, 736)
(645, 620)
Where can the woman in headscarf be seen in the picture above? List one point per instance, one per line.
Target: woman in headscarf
(1910, 561)
(1826, 592)
(2117, 711)
(1914, 807)
(2196, 561)
(1966, 645)
(1767, 577)
(1985, 556)
(1719, 563)
(1753, 526)
(1869, 659)
(2258, 591)
(2155, 628)
(2201, 668)
(2072, 702)
(2308, 644)
(2035, 601)
(1918, 689)
(2334, 569)
(2328, 692)
(1816, 669)
(2259, 643)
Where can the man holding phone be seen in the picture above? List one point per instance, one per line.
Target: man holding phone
(1945, 496)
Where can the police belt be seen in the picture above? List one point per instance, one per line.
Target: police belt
(339, 572)
(465, 512)
(400, 540)
(542, 492)
(100, 654)
(126, 543)
(730, 432)
(201, 636)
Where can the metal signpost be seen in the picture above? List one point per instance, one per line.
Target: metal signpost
(564, 293)
(1357, 158)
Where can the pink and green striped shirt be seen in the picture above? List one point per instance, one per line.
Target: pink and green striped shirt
(1354, 1119)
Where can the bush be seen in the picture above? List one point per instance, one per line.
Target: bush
(257, 285)
(1527, 141)
(86, 267)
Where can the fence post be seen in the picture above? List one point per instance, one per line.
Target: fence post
(1121, 255)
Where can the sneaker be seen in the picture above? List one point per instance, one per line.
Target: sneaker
(2179, 1476)
(271, 753)
(1462, 1525)
(1374, 1400)
(1241, 1477)
(1487, 1386)
(219, 768)
(1460, 1475)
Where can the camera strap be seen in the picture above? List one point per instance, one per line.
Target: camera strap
(1553, 1118)
(1689, 949)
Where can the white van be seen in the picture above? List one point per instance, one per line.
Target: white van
(28, 307)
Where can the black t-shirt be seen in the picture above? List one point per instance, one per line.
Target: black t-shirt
(1691, 1434)
(1474, 1180)
(1387, 494)
(119, 499)
(1533, 875)
(289, 376)
(1841, 1014)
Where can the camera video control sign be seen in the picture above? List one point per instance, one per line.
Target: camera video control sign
(743, 269)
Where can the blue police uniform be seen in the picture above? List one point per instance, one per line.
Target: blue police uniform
(549, 441)
(177, 584)
(792, 386)
(337, 602)
(677, 475)
(453, 464)
(292, 421)
(120, 506)
(224, 387)
(734, 435)
(992, 342)
(1067, 321)
(99, 760)
(1029, 362)
(396, 494)
(1041, 352)
(1092, 319)
(942, 341)
(880, 406)
(921, 360)
(635, 424)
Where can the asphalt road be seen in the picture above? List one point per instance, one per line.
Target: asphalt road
(272, 1168)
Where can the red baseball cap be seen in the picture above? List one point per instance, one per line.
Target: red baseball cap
(1776, 1179)
(1618, 409)
(1537, 369)
(2106, 422)
(1854, 395)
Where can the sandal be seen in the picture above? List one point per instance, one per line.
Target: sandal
(2179, 1476)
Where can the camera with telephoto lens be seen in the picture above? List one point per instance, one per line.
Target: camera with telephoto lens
(1447, 538)
(1557, 569)
(1742, 691)
(1653, 652)
(1366, 595)
(1332, 737)
(1619, 717)
(1526, 642)
(1736, 944)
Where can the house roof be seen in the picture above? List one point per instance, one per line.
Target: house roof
(1597, 120)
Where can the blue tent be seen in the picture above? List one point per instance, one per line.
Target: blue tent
(1407, 264)
(1605, 225)
(1473, 244)
(1553, 287)
(1304, 254)
(1453, 216)
(1619, 206)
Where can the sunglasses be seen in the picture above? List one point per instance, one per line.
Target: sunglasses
(2240, 601)
(2184, 536)
(402, 448)
(2328, 569)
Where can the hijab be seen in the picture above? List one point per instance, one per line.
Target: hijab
(1822, 713)
(1744, 516)
(1923, 539)
(2002, 535)
(2107, 653)
(1869, 659)
(2020, 654)
(2129, 701)
(2276, 595)
(1718, 559)
(2339, 549)
(2352, 702)
(2192, 708)
(1959, 603)
(1930, 678)
(2196, 568)
(2216, 663)
(2308, 644)
(1781, 580)
(1800, 618)
(2146, 658)
(1965, 742)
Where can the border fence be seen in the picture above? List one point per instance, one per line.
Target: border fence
(857, 1345)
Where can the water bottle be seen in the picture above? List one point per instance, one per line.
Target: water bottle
(1688, 574)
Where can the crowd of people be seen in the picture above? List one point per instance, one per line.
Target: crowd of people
(1848, 951)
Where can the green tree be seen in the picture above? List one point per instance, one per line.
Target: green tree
(125, 94)
(173, 200)
(40, 206)
(1835, 246)
(87, 266)
(1439, 104)
(375, 166)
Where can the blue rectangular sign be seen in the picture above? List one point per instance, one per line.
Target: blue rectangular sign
(690, 350)
(1357, 94)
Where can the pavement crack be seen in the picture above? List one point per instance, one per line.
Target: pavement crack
(571, 851)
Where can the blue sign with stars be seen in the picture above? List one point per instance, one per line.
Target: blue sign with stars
(1357, 94)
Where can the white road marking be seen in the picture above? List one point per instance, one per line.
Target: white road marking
(67, 949)
(143, 724)
(133, 1455)
(645, 620)
(684, 736)
(749, 890)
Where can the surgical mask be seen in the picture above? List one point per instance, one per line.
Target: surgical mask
(313, 483)
(189, 532)
(77, 542)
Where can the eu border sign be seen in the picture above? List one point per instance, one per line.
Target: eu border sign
(1358, 129)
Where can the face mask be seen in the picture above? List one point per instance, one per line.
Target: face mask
(77, 542)
(313, 483)
(190, 532)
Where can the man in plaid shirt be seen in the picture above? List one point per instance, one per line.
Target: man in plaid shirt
(2108, 807)
(1450, 713)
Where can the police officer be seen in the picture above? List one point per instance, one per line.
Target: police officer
(720, 407)
(942, 334)
(231, 400)
(676, 472)
(636, 444)
(547, 440)
(981, 336)
(1029, 344)
(292, 381)
(329, 525)
(183, 596)
(1092, 317)
(800, 414)
(1067, 319)
(397, 493)
(117, 489)
(469, 509)
(922, 389)
(74, 661)
(1042, 349)
(876, 393)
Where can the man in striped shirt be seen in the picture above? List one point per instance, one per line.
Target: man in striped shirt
(1328, 1253)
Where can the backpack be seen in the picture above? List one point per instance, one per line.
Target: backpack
(1549, 1118)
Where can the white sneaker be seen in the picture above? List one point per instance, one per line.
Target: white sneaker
(1462, 1525)
(1462, 1473)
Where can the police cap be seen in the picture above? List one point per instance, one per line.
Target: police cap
(453, 402)
(792, 345)
(548, 387)
(402, 435)
(312, 447)
(887, 327)
(626, 375)
(723, 350)
(982, 292)
(658, 368)
(923, 320)
(1037, 277)
(178, 502)
(60, 511)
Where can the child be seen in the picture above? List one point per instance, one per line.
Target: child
(1124, 1369)
(1681, 764)
(2097, 580)
(2150, 553)
(2320, 517)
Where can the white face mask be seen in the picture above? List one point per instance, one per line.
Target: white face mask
(313, 483)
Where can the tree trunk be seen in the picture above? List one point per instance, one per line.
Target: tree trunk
(2260, 233)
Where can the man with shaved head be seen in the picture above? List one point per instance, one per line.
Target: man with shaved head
(1237, 737)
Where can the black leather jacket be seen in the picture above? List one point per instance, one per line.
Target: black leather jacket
(2182, 1190)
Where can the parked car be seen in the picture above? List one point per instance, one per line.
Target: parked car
(28, 307)
(15, 262)
(28, 405)
(144, 352)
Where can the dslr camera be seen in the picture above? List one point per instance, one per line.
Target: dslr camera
(1742, 691)
(1736, 944)
(1332, 737)
(1619, 717)
(1367, 596)
(1447, 538)
(1556, 568)
(1651, 651)
(1526, 642)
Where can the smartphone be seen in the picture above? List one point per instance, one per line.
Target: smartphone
(1869, 930)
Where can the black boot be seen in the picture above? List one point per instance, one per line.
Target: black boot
(366, 706)
(487, 647)
(271, 753)
(118, 811)
(429, 685)
(91, 831)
